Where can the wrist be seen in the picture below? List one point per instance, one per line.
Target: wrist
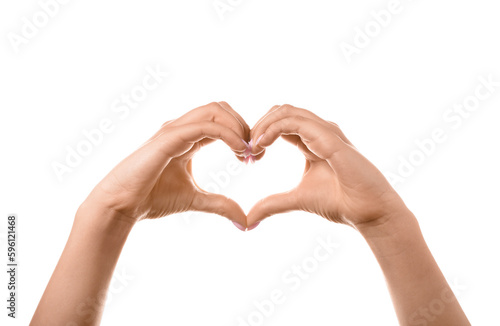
(102, 220)
(392, 234)
(386, 224)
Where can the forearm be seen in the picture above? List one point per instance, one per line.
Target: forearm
(77, 289)
(420, 293)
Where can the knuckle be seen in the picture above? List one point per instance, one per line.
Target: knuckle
(286, 109)
(166, 124)
(212, 108)
(215, 107)
(213, 104)
(223, 206)
(274, 108)
(334, 124)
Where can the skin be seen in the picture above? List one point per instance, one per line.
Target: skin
(339, 184)
(153, 182)
(342, 186)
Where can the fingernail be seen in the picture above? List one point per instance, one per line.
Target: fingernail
(247, 159)
(239, 226)
(248, 151)
(258, 140)
(247, 145)
(253, 226)
(252, 159)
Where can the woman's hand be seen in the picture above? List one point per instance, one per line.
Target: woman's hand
(343, 186)
(339, 184)
(156, 180)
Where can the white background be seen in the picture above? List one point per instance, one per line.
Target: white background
(199, 269)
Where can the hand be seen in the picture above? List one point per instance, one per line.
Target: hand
(156, 180)
(339, 184)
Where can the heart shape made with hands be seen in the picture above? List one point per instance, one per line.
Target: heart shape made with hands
(279, 172)
(338, 183)
(217, 180)
(279, 200)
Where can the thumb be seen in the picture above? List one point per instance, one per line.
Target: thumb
(272, 205)
(220, 205)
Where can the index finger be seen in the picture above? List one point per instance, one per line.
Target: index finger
(238, 117)
(213, 112)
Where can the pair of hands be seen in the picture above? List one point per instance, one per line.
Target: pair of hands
(338, 184)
